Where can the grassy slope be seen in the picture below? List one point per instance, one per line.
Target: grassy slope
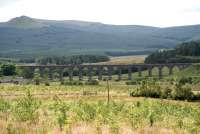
(192, 71)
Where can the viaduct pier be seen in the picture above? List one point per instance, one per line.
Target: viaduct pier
(109, 68)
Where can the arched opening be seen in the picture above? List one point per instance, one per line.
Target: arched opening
(95, 73)
(155, 72)
(165, 71)
(176, 70)
(65, 73)
(104, 73)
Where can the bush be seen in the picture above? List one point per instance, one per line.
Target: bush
(73, 83)
(185, 80)
(195, 80)
(4, 105)
(37, 78)
(135, 93)
(166, 93)
(26, 73)
(89, 92)
(47, 83)
(148, 89)
(1, 73)
(131, 83)
(152, 89)
(182, 93)
(61, 109)
(8, 69)
(92, 82)
(26, 109)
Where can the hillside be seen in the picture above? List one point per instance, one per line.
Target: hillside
(25, 36)
(187, 52)
(192, 71)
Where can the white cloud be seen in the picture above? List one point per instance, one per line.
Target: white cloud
(7, 2)
(141, 12)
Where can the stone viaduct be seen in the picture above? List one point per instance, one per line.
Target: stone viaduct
(109, 68)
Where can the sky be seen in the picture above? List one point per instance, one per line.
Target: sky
(160, 13)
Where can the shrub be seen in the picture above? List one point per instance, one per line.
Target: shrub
(135, 93)
(26, 109)
(8, 69)
(4, 105)
(131, 83)
(37, 76)
(61, 109)
(151, 118)
(89, 92)
(26, 73)
(62, 83)
(182, 93)
(73, 83)
(166, 93)
(47, 83)
(92, 82)
(152, 89)
(148, 88)
(1, 73)
(105, 79)
(85, 112)
(195, 80)
(185, 80)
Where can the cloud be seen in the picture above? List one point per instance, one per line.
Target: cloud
(192, 10)
(162, 13)
(7, 2)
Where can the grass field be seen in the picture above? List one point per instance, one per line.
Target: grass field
(84, 109)
(125, 60)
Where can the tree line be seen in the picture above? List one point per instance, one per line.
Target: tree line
(187, 52)
(7, 69)
(60, 60)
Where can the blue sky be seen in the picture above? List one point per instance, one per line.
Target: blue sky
(161, 13)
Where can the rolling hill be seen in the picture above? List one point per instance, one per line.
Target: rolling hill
(26, 37)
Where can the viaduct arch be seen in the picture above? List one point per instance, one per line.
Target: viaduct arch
(110, 68)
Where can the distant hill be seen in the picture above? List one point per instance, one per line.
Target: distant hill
(24, 36)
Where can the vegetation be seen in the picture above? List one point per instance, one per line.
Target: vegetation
(7, 69)
(77, 59)
(184, 53)
(41, 105)
(26, 109)
(125, 60)
(33, 37)
(151, 88)
(94, 114)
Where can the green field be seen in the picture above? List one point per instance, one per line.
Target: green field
(85, 109)
(55, 108)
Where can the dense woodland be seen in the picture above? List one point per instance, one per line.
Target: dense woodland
(60, 60)
(188, 52)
